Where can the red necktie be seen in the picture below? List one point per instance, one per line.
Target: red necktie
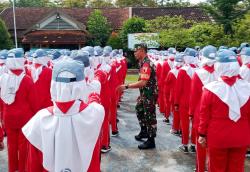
(65, 106)
(210, 69)
(230, 80)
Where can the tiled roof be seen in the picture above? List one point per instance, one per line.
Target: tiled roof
(27, 17)
(55, 37)
(188, 13)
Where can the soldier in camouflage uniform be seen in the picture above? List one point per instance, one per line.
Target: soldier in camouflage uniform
(145, 107)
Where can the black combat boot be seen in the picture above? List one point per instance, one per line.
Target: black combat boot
(142, 135)
(149, 144)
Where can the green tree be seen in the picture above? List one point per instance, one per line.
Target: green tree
(226, 12)
(99, 28)
(114, 41)
(166, 22)
(242, 30)
(73, 3)
(100, 4)
(207, 34)
(4, 5)
(5, 40)
(32, 3)
(136, 3)
(173, 3)
(178, 38)
(132, 25)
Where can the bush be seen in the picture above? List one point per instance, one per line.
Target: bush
(132, 25)
(115, 41)
(176, 38)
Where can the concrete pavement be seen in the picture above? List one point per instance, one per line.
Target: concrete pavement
(126, 157)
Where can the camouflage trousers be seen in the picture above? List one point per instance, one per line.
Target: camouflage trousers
(145, 111)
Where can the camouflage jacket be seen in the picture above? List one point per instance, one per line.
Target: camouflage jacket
(147, 72)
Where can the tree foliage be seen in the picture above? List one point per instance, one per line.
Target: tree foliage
(132, 25)
(226, 12)
(173, 3)
(4, 5)
(5, 40)
(166, 22)
(207, 34)
(98, 27)
(115, 41)
(32, 3)
(136, 3)
(178, 38)
(242, 30)
(73, 3)
(100, 4)
(173, 31)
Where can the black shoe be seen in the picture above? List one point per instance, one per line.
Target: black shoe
(183, 148)
(115, 133)
(174, 132)
(180, 134)
(1, 146)
(106, 149)
(149, 144)
(142, 135)
(166, 121)
(192, 149)
(248, 154)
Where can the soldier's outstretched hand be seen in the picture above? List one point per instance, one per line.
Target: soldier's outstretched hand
(120, 88)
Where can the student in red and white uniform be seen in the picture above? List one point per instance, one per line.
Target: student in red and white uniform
(182, 96)
(68, 146)
(159, 69)
(201, 77)
(106, 99)
(166, 67)
(19, 100)
(41, 76)
(225, 115)
(28, 60)
(3, 69)
(113, 83)
(242, 45)
(124, 66)
(122, 70)
(245, 71)
(245, 68)
(102, 70)
(169, 93)
(161, 57)
(55, 56)
(3, 57)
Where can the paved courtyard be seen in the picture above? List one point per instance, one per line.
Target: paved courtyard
(125, 156)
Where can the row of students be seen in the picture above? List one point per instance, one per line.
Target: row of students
(60, 91)
(210, 91)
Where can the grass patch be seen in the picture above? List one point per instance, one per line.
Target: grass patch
(131, 78)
